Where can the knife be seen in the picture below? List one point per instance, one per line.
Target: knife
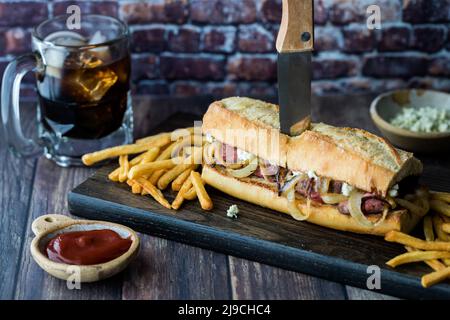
(295, 43)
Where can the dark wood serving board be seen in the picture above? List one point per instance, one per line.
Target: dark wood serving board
(259, 234)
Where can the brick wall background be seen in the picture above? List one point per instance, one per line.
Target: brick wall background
(226, 47)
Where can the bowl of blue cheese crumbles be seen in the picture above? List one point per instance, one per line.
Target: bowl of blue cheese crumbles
(415, 120)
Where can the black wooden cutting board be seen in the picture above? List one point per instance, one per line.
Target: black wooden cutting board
(259, 234)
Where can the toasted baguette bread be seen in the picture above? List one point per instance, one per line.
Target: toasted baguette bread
(355, 156)
(248, 124)
(266, 195)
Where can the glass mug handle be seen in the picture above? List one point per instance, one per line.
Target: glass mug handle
(10, 93)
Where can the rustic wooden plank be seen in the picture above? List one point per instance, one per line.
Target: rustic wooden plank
(361, 294)
(252, 280)
(50, 189)
(171, 270)
(16, 176)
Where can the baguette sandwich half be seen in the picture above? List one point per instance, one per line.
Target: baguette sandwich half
(342, 178)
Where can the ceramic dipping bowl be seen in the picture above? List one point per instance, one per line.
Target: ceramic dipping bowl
(386, 106)
(48, 226)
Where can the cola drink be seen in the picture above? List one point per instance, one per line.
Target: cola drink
(83, 94)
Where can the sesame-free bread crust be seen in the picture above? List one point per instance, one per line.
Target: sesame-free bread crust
(248, 124)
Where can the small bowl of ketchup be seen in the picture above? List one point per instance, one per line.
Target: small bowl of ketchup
(90, 250)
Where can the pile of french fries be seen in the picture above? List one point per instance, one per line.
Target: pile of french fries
(169, 158)
(435, 249)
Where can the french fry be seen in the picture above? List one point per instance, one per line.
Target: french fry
(92, 158)
(441, 207)
(416, 256)
(154, 192)
(136, 188)
(174, 134)
(150, 155)
(146, 168)
(407, 240)
(433, 264)
(435, 277)
(156, 175)
(438, 221)
(446, 227)
(114, 175)
(179, 199)
(442, 196)
(152, 139)
(413, 208)
(178, 182)
(203, 197)
(172, 174)
(191, 194)
(124, 168)
(428, 228)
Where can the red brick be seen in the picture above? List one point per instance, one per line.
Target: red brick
(331, 68)
(15, 41)
(185, 39)
(222, 89)
(271, 11)
(252, 68)
(395, 38)
(357, 85)
(146, 67)
(440, 66)
(419, 11)
(192, 67)
(320, 12)
(223, 11)
(149, 40)
(431, 83)
(255, 38)
(187, 88)
(109, 8)
(327, 38)
(23, 13)
(173, 11)
(219, 39)
(153, 87)
(325, 87)
(428, 38)
(389, 84)
(343, 12)
(358, 39)
(257, 89)
(393, 66)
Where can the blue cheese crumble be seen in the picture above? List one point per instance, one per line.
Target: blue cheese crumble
(233, 211)
(426, 119)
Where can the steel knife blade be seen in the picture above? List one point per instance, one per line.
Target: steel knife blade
(295, 43)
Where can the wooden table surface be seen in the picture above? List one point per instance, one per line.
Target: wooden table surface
(164, 269)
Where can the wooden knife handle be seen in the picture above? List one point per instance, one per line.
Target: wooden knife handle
(297, 26)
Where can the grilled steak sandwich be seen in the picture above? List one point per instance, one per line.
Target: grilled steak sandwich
(341, 178)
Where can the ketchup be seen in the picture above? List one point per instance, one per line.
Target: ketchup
(87, 247)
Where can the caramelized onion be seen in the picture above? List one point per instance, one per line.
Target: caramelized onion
(333, 198)
(354, 207)
(208, 154)
(290, 184)
(323, 185)
(246, 171)
(294, 211)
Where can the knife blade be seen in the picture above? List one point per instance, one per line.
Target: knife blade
(295, 43)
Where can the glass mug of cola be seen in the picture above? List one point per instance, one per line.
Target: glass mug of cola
(83, 85)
